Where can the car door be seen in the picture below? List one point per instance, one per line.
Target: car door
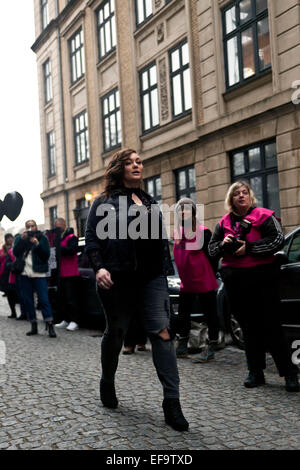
(290, 282)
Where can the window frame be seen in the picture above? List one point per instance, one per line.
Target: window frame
(154, 179)
(240, 28)
(84, 131)
(44, 13)
(263, 172)
(108, 115)
(145, 18)
(148, 91)
(51, 154)
(47, 81)
(80, 51)
(189, 189)
(177, 72)
(53, 215)
(111, 18)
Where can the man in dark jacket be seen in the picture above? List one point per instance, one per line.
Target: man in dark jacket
(33, 248)
(69, 274)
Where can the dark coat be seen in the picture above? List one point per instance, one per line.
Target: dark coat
(40, 252)
(117, 254)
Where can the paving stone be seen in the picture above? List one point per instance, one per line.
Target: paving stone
(50, 399)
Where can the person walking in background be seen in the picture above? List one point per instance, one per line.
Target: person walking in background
(136, 336)
(247, 238)
(197, 279)
(6, 260)
(33, 247)
(131, 276)
(68, 280)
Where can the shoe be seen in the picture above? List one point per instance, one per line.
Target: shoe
(34, 329)
(128, 350)
(291, 383)
(255, 379)
(108, 394)
(13, 315)
(72, 326)
(62, 324)
(21, 317)
(50, 328)
(182, 348)
(206, 355)
(173, 414)
(141, 347)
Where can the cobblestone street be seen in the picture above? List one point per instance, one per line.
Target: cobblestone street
(49, 399)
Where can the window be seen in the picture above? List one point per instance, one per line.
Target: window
(47, 81)
(82, 215)
(258, 165)
(149, 98)
(51, 154)
(111, 119)
(53, 215)
(106, 26)
(81, 138)
(246, 40)
(77, 56)
(294, 249)
(143, 10)
(180, 79)
(186, 183)
(153, 187)
(44, 13)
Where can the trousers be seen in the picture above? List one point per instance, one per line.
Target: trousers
(253, 295)
(151, 302)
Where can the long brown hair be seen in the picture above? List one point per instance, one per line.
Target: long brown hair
(115, 171)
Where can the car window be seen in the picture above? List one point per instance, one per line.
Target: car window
(294, 251)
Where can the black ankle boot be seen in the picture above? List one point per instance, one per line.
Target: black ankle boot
(255, 379)
(173, 414)
(13, 315)
(108, 394)
(34, 329)
(50, 328)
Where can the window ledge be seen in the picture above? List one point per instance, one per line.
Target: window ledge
(48, 105)
(168, 126)
(109, 56)
(78, 166)
(253, 83)
(78, 82)
(51, 178)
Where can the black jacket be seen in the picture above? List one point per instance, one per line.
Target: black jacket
(117, 254)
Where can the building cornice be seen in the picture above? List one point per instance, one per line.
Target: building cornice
(45, 34)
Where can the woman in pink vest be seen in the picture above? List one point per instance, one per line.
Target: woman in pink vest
(247, 238)
(197, 279)
(68, 286)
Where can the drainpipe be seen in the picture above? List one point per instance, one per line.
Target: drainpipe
(66, 194)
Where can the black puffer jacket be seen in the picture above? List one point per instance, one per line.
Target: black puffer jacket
(117, 254)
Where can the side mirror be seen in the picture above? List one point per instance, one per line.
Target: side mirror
(281, 257)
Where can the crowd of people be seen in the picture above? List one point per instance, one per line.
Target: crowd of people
(131, 276)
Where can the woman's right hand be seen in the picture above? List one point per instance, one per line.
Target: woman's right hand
(103, 279)
(227, 239)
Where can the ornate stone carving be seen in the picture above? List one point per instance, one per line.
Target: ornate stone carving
(163, 90)
(160, 32)
(157, 3)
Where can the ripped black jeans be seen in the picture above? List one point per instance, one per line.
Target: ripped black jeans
(151, 300)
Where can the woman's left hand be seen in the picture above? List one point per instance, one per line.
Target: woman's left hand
(241, 251)
(34, 240)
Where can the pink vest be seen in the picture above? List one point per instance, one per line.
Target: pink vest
(257, 216)
(12, 276)
(68, 264)
(193, 266)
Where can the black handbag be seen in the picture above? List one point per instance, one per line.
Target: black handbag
(18, 266)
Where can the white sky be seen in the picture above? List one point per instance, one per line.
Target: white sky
(20, 157)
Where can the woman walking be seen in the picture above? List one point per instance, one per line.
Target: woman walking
(131, 271)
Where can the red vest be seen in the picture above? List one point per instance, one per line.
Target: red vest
(194, 268)
(257, 217)
(68, 264)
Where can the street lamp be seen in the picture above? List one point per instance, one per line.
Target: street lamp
(88, 197)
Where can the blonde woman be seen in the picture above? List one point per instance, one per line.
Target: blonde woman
(247, 238)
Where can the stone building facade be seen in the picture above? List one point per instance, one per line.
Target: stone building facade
(205, 90)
